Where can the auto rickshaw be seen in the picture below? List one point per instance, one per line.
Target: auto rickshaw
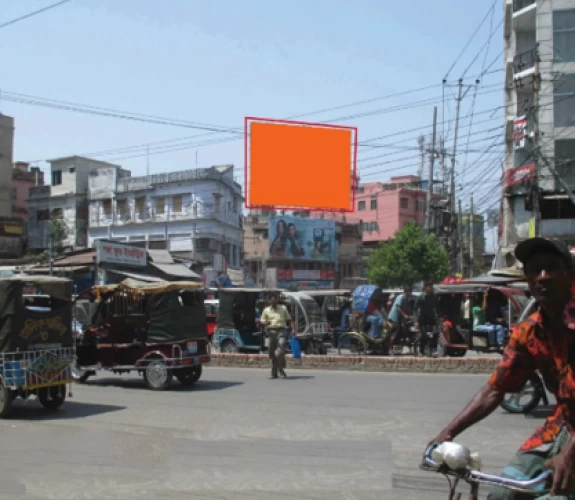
(458, 333)
(238, 328)
(36, 341)
(312, 327)
(335, 308)
(158, 330)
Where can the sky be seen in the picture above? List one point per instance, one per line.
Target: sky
(207, 64)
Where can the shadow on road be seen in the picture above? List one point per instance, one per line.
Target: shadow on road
(138, 383)
(33, 410)
(299, 377)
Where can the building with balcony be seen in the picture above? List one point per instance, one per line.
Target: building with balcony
(194, 214)
(540, 122)
(66, 198)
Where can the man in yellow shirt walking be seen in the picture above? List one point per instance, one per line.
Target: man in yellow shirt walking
(276, 318)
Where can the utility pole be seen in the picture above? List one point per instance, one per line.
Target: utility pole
(471, 237)
(428, 210)
(444, 175)
(461, 252)
(421, 143)
(452, 176)
(536, 146)
(51, 253)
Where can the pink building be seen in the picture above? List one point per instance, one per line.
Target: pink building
(23, 178)
(383, 208)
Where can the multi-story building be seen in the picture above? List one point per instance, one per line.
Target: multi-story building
(540, 122)
(6, 159)
(66, 198)
(23, 178)
(339, 258)
(194, 214)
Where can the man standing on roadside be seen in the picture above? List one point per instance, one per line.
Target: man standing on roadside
(276, 318)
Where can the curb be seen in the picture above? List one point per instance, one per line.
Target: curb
(362, 363)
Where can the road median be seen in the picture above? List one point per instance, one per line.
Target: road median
(363, 363)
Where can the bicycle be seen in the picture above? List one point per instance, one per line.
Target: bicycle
(456, 461)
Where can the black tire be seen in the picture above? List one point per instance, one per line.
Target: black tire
(510, 402)
(229, 347)
(158, 375)
(188, 376)
(6, 399)
(52, 398)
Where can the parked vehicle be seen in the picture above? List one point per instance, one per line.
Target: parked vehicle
(238, 328)
(456, 463)
(457, 333)
(312, 328)
(358, 339)
(211, 306)
(333, 305)
(36, 343)
(158, 330)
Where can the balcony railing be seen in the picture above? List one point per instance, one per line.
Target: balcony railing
(148, 216)
(525, 60)
(521, 4)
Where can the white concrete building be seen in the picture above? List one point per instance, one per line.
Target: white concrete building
(540, 104)
(65, 198)
(194, 214)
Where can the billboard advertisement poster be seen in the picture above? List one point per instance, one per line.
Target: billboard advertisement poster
(301, 286)
(298, 238)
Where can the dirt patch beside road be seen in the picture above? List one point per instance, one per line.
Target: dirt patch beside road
(364, 363)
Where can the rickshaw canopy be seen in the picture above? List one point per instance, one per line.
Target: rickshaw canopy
(21, 328)
(362, 295)
(232, 298)
(516, 296)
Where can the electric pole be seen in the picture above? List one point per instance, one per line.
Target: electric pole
(444, 174)
(452, 176)
(421, 143)
(536, 146)
(460, 238)
(428, 210)
(471, 237)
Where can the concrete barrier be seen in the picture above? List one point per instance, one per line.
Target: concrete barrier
(363, 363)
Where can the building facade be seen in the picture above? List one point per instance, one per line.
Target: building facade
(23, 178)
(64, 199)
(194, 214)
(6, 159)
(325, 252)
(540, 122)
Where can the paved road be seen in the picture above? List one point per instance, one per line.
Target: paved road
(237, 435)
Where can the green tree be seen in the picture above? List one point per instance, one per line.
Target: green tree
(407, 259)
(58, 231)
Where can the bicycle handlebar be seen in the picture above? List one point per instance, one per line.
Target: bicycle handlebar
(478, 477)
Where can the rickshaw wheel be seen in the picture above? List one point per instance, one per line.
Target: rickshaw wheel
(188, 376)
(229, 347)
(52, 397)
(5, 400)
(157, 375)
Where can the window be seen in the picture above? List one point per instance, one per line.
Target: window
(404, 203)
(217, 203)
(160, 205)
(177, 203)
(373, 226)
(564, 35)
(56, 177)
(565, 160)
(373, 205)
(107, 207)
(122, 207)
(140, 205)
(72, 170)
(43, 215)
(564, 100)
(361, 205)
(235, 205)
(58, 213)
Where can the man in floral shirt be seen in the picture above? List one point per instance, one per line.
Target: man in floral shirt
(544, 342)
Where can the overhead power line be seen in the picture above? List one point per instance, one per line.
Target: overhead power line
(36, 12)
